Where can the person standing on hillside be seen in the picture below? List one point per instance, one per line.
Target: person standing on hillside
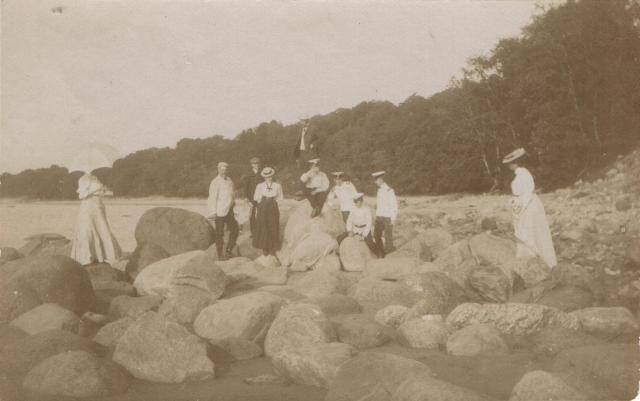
(529, 218)
(316, 186)
(386, 213)
(93, 240)
(267, 195)
(343, 191)
(306, 146)
(249, 186)
(220, 210)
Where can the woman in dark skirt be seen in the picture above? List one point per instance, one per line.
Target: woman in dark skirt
(267, 195)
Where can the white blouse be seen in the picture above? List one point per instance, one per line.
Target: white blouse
(359, 221)
(522, 187)
(344, 193)
(273, 190)
(89, 185)
(387, 204)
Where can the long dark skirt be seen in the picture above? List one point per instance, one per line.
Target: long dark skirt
(267, 235)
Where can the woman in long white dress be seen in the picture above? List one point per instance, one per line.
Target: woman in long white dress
(93, 240)
(529, 218)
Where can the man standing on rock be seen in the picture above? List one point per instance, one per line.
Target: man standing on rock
(306, 145)
(386, 213)
(220, 210)
(250, 182)
(316, 186)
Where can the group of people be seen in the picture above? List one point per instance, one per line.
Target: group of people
(263, 194)
(95, 242)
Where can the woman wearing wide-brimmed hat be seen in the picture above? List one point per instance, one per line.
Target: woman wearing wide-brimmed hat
(267, 195)
(93, 241)
(529, 218)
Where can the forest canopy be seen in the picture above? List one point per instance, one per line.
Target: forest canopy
(567, 89)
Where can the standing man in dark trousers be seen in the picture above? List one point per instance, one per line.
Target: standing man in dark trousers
(250, 182)
(306, 146)
(386, 213)
(220, 210)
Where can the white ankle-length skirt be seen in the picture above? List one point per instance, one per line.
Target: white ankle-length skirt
(93, 240)
(532, 230)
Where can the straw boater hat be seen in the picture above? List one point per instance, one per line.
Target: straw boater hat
(254, 160)
(223, 164)
(358, 195)
(378, 174)
(515, 155)
(314, 161)
(267, 172)
(337, 173)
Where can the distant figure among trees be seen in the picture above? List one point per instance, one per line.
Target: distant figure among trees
(267, 195)
(529, 218)
(93, 240)
(220, 210)
(306, 146)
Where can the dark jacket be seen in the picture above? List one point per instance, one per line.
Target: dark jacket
(250, 182)
(310, 143)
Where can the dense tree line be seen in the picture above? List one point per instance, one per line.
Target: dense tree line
(567, 89)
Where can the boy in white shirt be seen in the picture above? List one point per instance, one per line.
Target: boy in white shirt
(386, 214)
(344, 192)
(316, 186)
(359, 221)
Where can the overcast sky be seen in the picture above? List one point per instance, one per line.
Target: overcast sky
(137, 74)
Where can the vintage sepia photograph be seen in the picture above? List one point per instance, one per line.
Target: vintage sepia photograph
(319, 200)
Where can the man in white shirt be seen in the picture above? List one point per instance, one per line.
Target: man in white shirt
(316, 186)
(359, 222)
(220, 210)
(343, 191)
(386, 213)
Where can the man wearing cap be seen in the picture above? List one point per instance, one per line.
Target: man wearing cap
(343, 191)
(249, 186)
(220, 210)
(306, 146)
(386, 213)
(316, 186)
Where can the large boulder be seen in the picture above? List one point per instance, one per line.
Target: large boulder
(46, 244)
(531, 270)
(335, 304)
(393, 268)
(606, 322)
(193, 271)
(553, 339)
(490, 283)
(28, 282)
(360, 331)
(185, 306)
(436, 291)
(246, 317)
(144, 255)
(373, 290)
(134, 307)
(541, 385)
(454, 255)
(437, 240)
(567, 298)
(391, 316)
(47, 317)
(110, 333)
(9, 334)
(297, 326)
(422, 389)
(310, 249)
(174, 230)
(374, 373)
(328, 263)
(412, 249)
(103, 276)
(159, 350)
(77, 374)
(300, 223)
(354, 254)
(476, 339)
(24, 354)
(511, 318)
(7, 254)
(602, 372)
(491, 250)
(428, 332)
(320, 283)
(314, 365)
(247, 271)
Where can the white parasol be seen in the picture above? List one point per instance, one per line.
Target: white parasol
(94, 155)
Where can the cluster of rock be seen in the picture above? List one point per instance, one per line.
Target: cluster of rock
(323, 313)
